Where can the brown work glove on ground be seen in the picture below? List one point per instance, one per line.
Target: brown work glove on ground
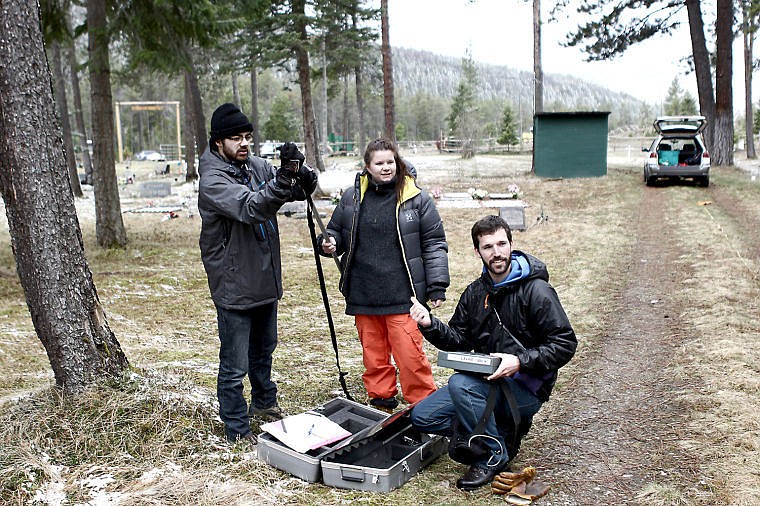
(519, 488)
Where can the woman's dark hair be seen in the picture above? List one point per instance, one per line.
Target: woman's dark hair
(487, 226)
(388, 145)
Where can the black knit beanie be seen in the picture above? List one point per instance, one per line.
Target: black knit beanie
(228, 120)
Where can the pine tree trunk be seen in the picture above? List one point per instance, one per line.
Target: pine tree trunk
(313, 157)
(199, 118)
(195, 108)
(236, 91)
(109, 227)
(309, 123)
(388, 101)
(702, 69)
(346, 114)
(359, 94)
(188, 138)
(79, 112)
(360, 108)
(538, 73)
(45, 234)
(325, 85)
(255, 112)
(59, 86)
(749, 39)
(723, 150)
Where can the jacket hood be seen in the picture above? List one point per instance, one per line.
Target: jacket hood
(529, 267)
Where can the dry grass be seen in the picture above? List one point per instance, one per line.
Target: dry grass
(723, 303)
(156, 439)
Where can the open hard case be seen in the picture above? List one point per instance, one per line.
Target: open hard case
(383, 452)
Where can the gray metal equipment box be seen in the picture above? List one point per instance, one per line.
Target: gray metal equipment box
(352, 416)
(468, 362)
(384, 459)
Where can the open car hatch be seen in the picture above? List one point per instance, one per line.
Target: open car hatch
(680, 124)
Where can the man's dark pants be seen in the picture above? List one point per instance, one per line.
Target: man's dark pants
(247, 340)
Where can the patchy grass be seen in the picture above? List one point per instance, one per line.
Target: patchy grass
(155, 438)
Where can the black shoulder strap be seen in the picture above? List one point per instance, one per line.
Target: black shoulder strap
(490, 404)
(323, 289)
(504, 327)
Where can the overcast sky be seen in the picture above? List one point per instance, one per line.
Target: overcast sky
(500, 32)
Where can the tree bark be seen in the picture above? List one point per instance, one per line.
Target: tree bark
(59, 85)
(359, 97)
(388, 100)
(79, 112)
(538, 72)
(323, 140)
(749, 26)
(360, 109)
(45, 234)
(236, 91)
(255, 112)
(199, 119)
(109, 227)
(748, 31)
(702, 68)
(346, 114)
(188, 137)
(313, 157)
(723, 150)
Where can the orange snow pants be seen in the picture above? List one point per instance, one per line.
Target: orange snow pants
(396, 335)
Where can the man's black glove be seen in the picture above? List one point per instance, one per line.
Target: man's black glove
(286, 178)
(307, 179)
(290, 156)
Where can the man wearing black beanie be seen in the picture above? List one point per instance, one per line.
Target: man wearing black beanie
(238, 199)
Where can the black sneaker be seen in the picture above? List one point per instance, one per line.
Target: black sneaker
(387, 405)
(270, 414)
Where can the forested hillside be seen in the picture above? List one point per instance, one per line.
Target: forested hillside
(423, 72)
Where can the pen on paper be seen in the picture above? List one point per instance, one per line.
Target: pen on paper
(282, 422)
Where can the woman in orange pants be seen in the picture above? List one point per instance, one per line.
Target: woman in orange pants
(393, 248)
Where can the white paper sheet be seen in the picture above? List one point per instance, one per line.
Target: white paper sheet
(306, 431)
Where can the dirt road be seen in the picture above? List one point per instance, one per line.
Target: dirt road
(619, 434)
(620, 430)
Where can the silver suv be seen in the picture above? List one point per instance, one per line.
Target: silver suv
(678, 151)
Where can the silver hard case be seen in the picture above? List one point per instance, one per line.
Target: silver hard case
(383, 452)
(384, 458)
(352, 416)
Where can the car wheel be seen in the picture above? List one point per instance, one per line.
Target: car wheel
(649, 180)
(704, 181)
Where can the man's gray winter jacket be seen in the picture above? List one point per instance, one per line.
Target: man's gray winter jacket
(239, 241)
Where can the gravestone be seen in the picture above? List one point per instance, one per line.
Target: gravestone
(150, 189)
(513, 212)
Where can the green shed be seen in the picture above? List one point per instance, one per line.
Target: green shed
(570, 144)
